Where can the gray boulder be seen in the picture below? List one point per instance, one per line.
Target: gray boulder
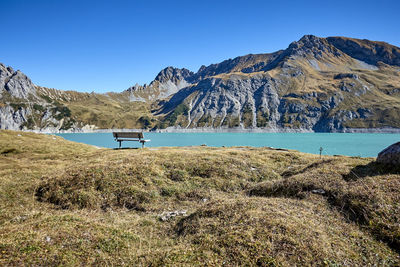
(390, 155)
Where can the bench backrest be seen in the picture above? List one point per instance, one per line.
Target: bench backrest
(138, 135)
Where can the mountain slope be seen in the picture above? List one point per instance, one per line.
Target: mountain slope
(22, 105)
(25, 106)
(368, 51)
(312, 85)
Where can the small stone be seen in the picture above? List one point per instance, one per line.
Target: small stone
(165, 216)
(48, 239)
(21, 218)
(318, 191)
(182, 212)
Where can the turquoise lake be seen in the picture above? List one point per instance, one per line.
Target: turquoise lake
(350, 144)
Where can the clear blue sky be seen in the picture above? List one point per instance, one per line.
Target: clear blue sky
(110, 45)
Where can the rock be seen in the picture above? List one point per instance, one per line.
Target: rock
(19, 219)
(390, 155)
(318, 191)
(296, 107)
(13, 119)
(346, 75)
(165, 216)
(364, 112)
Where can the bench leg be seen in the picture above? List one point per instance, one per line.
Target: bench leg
(142, 144)
(120, 144)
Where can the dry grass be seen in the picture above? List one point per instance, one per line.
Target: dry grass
(110, 110)
(368, 193)
(278, 231)
(63, 203)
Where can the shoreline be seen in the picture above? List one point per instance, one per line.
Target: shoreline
(387, 130)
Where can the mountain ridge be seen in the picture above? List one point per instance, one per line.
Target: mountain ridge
(309, 58)
(315, 84)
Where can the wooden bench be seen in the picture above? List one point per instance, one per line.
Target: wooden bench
(129, 136)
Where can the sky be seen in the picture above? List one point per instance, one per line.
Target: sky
(105, 46)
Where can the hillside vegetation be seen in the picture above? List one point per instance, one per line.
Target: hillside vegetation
(64, 203)
(104, 111)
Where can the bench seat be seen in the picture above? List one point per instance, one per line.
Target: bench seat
(130, 136)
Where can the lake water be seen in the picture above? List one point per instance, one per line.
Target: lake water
(350, 144)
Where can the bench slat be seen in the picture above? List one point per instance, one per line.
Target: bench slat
(132, 139)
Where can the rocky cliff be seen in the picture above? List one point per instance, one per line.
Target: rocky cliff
(25, 106)
(15, 83)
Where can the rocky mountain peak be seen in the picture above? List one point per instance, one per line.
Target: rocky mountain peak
(202, 68)
(168, 81)
(16, 83)
(312, 45)
(310, 39)
(173, 74)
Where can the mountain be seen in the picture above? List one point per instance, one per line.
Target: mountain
(315, 84)
(168, 82)
(25, 106)
(318, 84)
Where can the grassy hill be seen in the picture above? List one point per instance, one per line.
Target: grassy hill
(106, 111)
(64, 203)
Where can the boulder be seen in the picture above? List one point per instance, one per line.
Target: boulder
(390, 155)
(346, 75)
